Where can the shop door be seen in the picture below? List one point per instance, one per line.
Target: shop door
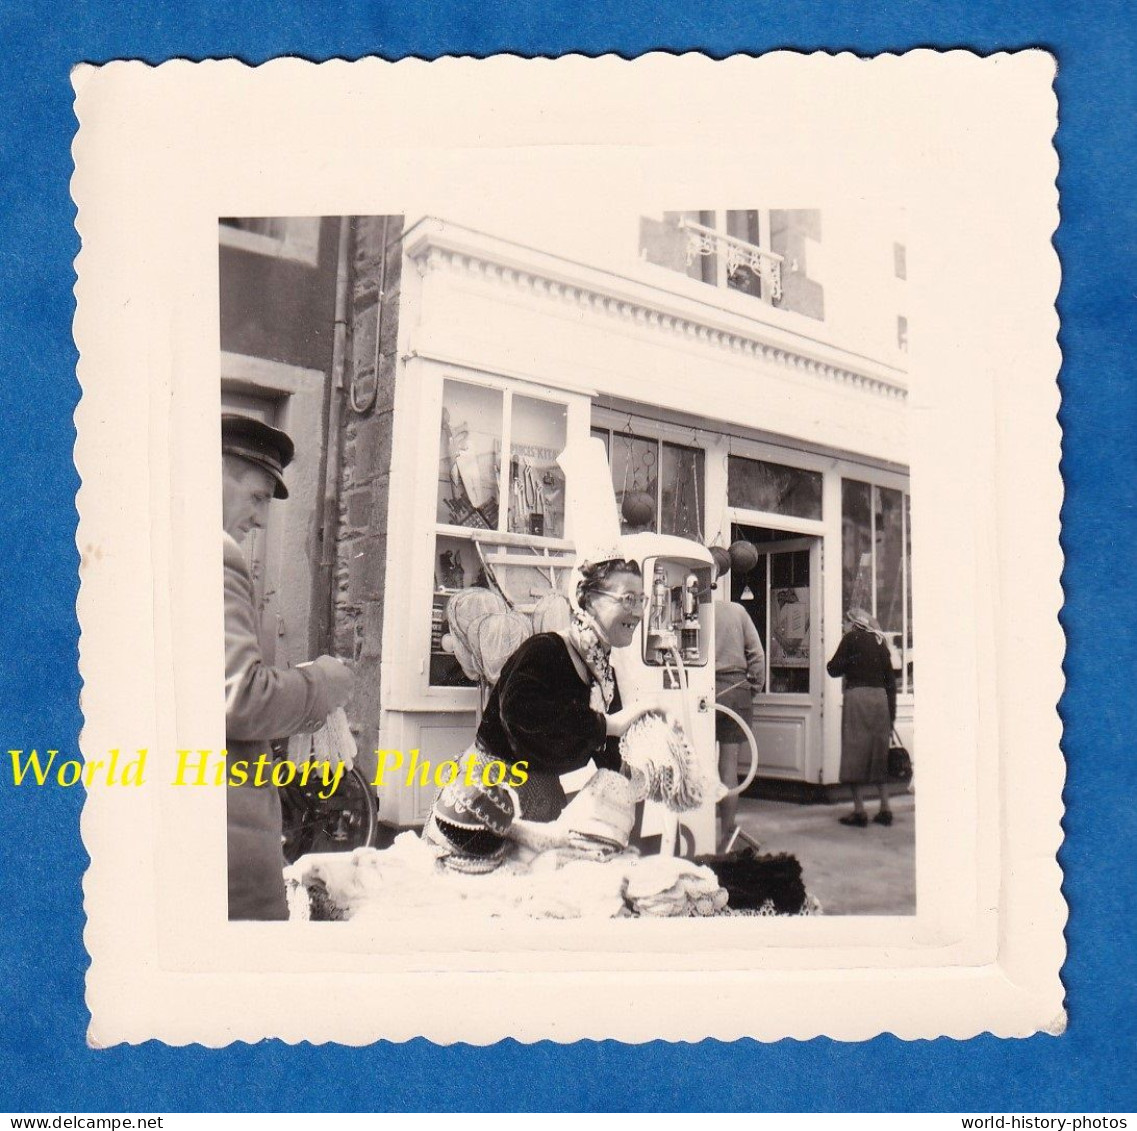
(782, 594)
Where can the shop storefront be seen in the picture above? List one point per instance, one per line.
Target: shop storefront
(725, 418)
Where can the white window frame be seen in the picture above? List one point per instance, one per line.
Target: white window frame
(617, 425)
(875, 483)
(300, 242)
(418, 693)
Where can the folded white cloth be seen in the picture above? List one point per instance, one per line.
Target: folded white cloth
(332, 743)
(407, 881)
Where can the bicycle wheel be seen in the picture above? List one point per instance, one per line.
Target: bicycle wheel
(347, 820)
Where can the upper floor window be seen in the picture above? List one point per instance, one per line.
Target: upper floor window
(900, 260)
(285, 237)
(763, 253)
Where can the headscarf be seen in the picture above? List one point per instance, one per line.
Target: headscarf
(585, 636)
(863, 619)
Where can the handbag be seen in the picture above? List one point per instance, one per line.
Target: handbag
(899, 760)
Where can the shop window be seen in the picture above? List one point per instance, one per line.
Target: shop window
(681, 486)
(876, 564)
(789, 622)
(762, 253)
(469, 456)
(457, 566)
(659, 485)
(478, 424)
(536, 482)
(776, 594)
(772, 487)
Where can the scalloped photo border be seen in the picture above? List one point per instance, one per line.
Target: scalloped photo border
(964, 143)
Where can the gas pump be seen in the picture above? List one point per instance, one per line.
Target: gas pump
(672, 659)
(672, 655)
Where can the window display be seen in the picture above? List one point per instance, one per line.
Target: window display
(788, 602)
(478, 423)
(469, 456)
(660, 486)
(681, 501)
(536, 482)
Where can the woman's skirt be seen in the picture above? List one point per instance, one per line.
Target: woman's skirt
(865, 731)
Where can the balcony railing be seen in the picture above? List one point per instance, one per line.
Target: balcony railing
(767, 265)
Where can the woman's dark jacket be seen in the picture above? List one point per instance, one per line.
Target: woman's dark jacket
(539, 712)
(865, 661)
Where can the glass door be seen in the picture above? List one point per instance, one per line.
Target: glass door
(782, 594)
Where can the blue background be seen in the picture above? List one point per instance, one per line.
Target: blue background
(46, 1064)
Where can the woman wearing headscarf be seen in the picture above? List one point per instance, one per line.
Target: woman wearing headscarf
(554, 708)
(864, 661)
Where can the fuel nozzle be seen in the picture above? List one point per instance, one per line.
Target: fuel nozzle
(689, 633)
(661, 631)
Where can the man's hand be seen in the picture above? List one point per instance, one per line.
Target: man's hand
(337, 678)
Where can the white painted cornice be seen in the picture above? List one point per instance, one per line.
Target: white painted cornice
(439, 246)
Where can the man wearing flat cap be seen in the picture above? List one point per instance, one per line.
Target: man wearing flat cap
(262, 703)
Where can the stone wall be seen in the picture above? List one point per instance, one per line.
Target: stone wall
(365, 463)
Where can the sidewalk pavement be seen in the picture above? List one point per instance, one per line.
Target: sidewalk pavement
(852, 871)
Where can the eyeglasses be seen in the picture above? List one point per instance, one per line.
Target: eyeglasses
(632, 602)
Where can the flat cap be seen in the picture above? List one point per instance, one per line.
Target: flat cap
(259, 443)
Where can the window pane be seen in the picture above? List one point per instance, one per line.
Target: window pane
(743, 225)
(856, 545)
(763, 486)
(635, 476)
(750, 591)
(789, 621)
(469, 455)
(665, 243)
(682, 499)
(793, 233)
(889, 562)
(536, 482)
(456, 566)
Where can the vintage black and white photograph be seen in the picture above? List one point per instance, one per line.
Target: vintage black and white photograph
(597, 559)
(587, 550)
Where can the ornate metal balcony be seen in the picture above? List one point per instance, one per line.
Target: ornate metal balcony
(767, 265)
